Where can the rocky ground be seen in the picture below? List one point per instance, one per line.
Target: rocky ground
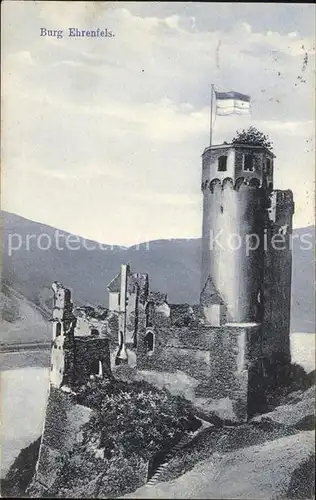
(267, 471)
(271, 456)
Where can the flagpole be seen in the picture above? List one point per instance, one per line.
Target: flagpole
(211, 117)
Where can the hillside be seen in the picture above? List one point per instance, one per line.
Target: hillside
(272, 456)
(173, 267)
(21, 320)
(260, 471)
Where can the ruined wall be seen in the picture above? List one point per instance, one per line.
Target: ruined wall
(278, 274)
(217, 357)
(64, 322)
(63, 422)
(136, 297)
(62, 361)
(92, 357)
(81, 344)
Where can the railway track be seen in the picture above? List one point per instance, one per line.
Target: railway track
(29, 346)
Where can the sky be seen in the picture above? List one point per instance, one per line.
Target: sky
(103, 137)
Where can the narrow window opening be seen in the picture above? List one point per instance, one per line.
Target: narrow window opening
(95, 367)
(222, 164)
(268, 166)
(259, 297)
(58, 329)
(150, 311)
(248, 163)
(150, 342)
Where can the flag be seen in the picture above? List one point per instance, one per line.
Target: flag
(228, 103)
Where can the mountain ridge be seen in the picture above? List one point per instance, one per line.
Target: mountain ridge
(173, 266)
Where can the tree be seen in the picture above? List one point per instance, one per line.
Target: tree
(253, 137)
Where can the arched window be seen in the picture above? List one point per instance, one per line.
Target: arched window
(259, 307)
(222, 164)
(149, 342)
(259, 297)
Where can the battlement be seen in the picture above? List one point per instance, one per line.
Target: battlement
(228, 183)
(238, 161)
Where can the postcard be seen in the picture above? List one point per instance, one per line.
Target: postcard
(158, 239)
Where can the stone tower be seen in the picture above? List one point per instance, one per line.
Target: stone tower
(245, 279)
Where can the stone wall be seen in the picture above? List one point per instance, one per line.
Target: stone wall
(217, 357)
(278, 273)
(63, 422)
(92, 357)
(63, 429)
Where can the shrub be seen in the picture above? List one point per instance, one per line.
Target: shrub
(132, 421)
(134, 417)
(252, 137)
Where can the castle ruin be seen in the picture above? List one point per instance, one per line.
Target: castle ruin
(226, 344)
(240, 326)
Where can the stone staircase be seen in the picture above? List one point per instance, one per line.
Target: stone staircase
(185, 440)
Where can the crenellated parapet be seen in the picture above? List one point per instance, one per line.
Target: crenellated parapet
(229, 183)
(238, 161)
